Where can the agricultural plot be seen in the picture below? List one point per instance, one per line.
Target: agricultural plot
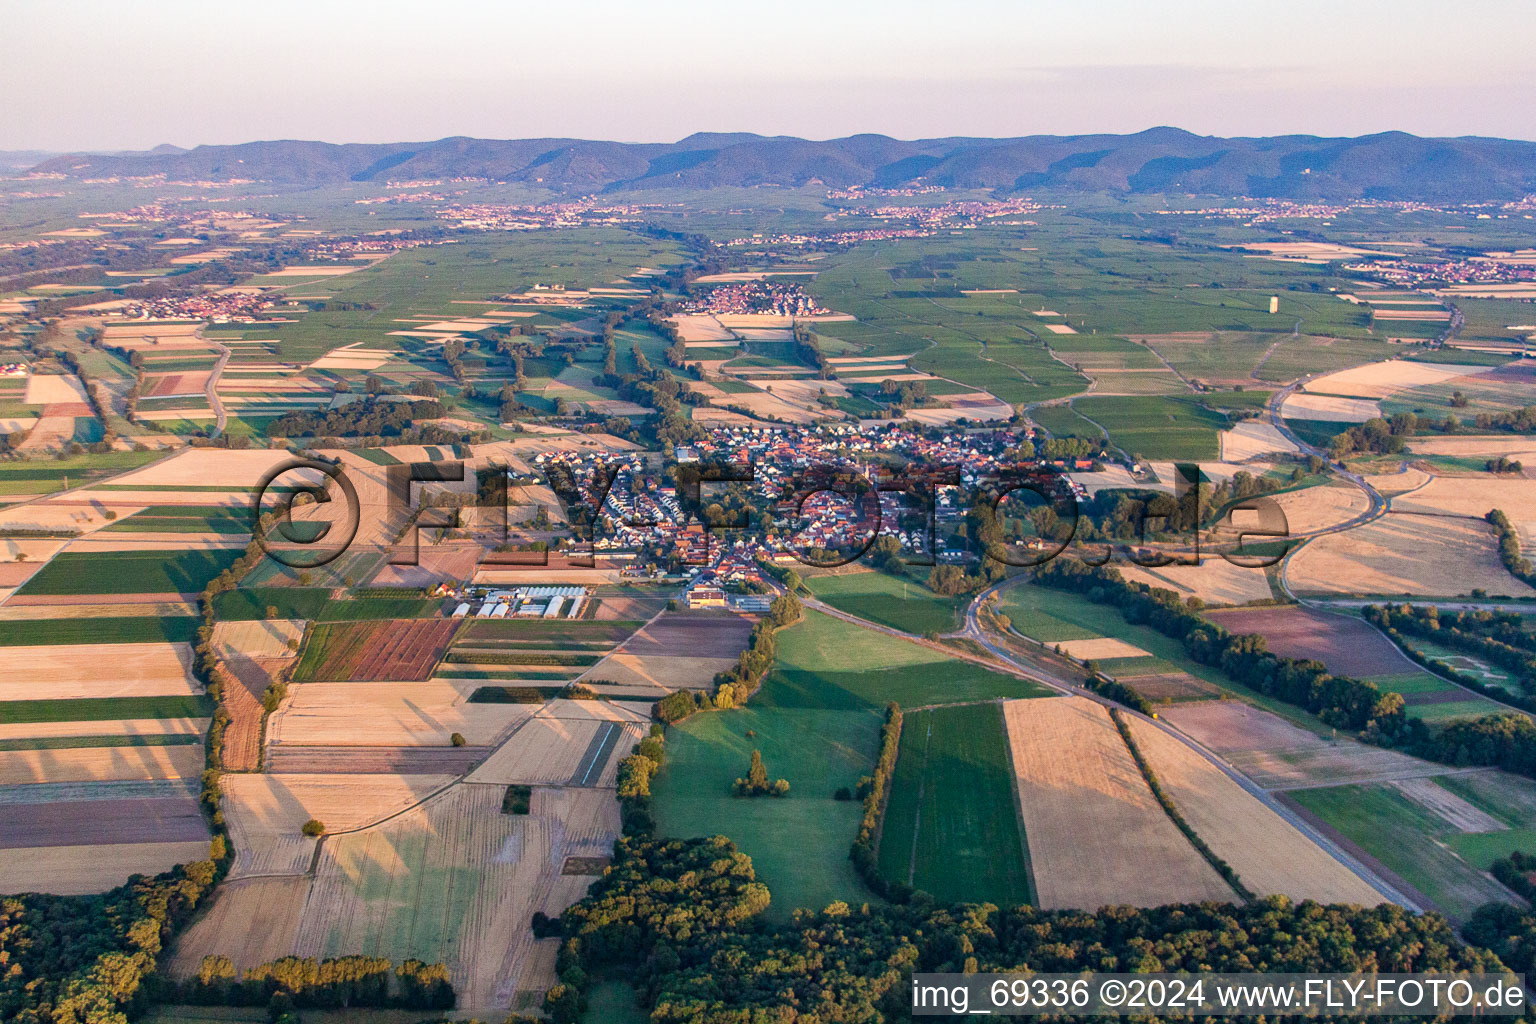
(1347, 645)
(387, 714)
(63, 671)
(1406, 828)
(950, 826)
(389, 649)
(1268, 853)
(100, 764)
(79, 870)
(1404, 555)
(252, 921)
(1215, 581)
(798, 843)
(676, 651)
(266, 812)
(902, 604)
(1157, 428)
(456, 881)
(130, 629)
(1096, 834)
(564, 743)
(825, 662)
(1313, 509)
(111, 822)
(128, 572)
(1279, 755)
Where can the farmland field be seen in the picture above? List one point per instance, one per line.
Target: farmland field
(902, 604)
(1409, 838)
(1096, 834)
(827, 663)
(950, 824)
(124, 630)
(129, 572)
(386, 649)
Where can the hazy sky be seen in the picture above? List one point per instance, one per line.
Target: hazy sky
(82, 74)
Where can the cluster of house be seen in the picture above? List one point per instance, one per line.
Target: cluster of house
(511, 217)
(1429, 273)
(542, 602)
(222, 307)
(756, 297)
(641, 511)
(953, 214)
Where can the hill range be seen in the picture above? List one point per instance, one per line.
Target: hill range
(1388, 166)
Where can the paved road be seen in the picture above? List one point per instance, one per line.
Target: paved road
(219, 418)
(976, 632)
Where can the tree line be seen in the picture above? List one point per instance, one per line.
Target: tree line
(304, 982)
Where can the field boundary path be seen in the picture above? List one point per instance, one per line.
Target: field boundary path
(220, 418)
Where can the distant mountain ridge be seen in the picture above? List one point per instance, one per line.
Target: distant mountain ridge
(1389, 166)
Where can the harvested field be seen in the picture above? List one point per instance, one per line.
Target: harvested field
(252, 921)
(55, 389)
(387, 649)
(104, 822)
(359, 760)
(1474, 496)
(548, 750)
(1266, 851)
(1348, 646)
(457, 881)
(1096, 834)
(208, 467)
(1215, 581)
(242, 736)
(1405, 555)
(77, 870)
(1252, 439)
(1329, 409)
(1378, 380)
(266, 812)
(388, 715)
(154, 727)
(1475, 447)
(99, 764)
(1278, 755)
(59, 671)
(1100, 648)
(178, 384)
(268, 638)
(1318, 508)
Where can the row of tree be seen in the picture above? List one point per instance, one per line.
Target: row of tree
(1509, 548)
(339, 983)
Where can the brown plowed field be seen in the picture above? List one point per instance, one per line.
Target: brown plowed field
(375, 760)
(1349, 647)
(693, 635)
(249, 679)
(402, 649)
(103, 822)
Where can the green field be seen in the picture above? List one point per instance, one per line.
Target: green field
(1156, 427)
(72, 742)
(125, 630)
(951, 828)
(902, 604)
(799, 843)
(1409, 839)
(246, 603)
(38, 476)
(185, 519)
(825, 662)
(129, 572)
(102, 709)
